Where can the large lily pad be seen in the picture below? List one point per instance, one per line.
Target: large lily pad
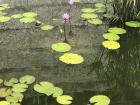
(4, 103)
(71, 58)
(64, 99)
(117, 30)
(47, 27)
(89, 16)
(95, 21)
(19, 87)
(111, 36)
(112, 45)
(30, 14)
(88, 10)
(4, 92)
(100, 100)
(61, 47)
(133, 23)
(4, 19)
(27, 20)
(27, 79)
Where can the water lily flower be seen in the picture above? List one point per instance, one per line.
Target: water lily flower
(65, 16)
(70, 2)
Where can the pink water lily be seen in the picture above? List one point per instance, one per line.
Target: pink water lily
(65, 16)
(70, 2)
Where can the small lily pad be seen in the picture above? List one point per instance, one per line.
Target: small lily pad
(1, 81)
(88, 10)
(27, 20)
(133, 23)
(17, 16)
(30, 14)
(89, 16)
(71, 58)
(4, 19)
(95, 21)
(100, 100)
(117, 30)
(47, 27)
(57, 91)
(4, 103)
(64, 99)
(100, 5)
(27, 79)
(11, 82)
(111, 36)
(112, 45)
(4, 92)
(61, 47)
(19, 87)
(108, 15)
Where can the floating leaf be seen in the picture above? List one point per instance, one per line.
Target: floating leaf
(1, 81)
(11, 99)
(100, 5)
(30, 14)
(117, 30)
(15, 104)
(64, 99)
(4, 92)
(113, 45)
(95, 21)
(108, 15)
(57, 91)
(101, 10)
(2, 8)
(27, 20)
(47, 27)
(61, 47)
(4, 103)
(133, 24)
(100, 100)
(19, 96)
(27, 79)
(4, 19)
(89, 16)
(17, 16)
(111, 36)
(77, 1)
(19, 87)
(11, 82)
(88, 10)
(70, 58)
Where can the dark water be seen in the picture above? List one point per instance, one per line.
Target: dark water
(25, 49)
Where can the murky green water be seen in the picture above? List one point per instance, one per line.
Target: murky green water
(25, 49)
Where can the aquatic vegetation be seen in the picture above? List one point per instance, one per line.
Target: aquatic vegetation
(19, 87)
(4, 19)
(116, 30)
(27, 79)
(111, 36)
(4, 92)
(71, 58)
(4, 103)
(88, 10)
(100, 5)
(108, 15)
(89, 16)
(17, 16)
(30, 14)
(47, 27)
(64, 100)
(57, 92)
(133, 24)
(112, 45)
(1, 81)
(95, 21)
(100, 100)
(11, 82)
(27, 20)
(61, 47)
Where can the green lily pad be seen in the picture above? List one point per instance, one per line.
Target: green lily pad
(100, 5)
(108, 15)
(4, 92)
(11, 99)
(27, 79)
(19, 87)
(117, 30)
(100, 100)
(4, 103)
(4, 19)
(15, 104)
(61, 47)
(44, 87)
(57, 91)
(88, 10)
(64, 99)
(95, 21)
(30, 14)
(1, 81)
(133, 23)
(89, 16)
(2, 8)
(77, 1)
(17, 16)
(11, 82)
(111, 36)
(27, 20)
(112, 45)
(47, 27)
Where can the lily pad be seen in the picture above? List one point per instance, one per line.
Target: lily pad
(19, 87)
(95, 21)
(64, 99)
(15, 104)
(88, 10)
(17, 16)
(30, 14)
(111, 36)
(19, 96)
(47, 27)
(4, 19)
(71, 58)
(100, 100)
(27, 20)
(4, 92)
(1, 81)
(108, 15)
(100, 10)
(4, 103)
(100, 5)
(117, 30)
(133, 23)
(112, 45)
(11, 82)
(61, 47)
(89, 16)
(11, 99)
(57, 91)
(27, 79)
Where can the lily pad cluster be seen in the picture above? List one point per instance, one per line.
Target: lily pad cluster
(112, 37)
(49, 89)
(12, 90)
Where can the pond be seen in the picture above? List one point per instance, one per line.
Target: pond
(25, 49)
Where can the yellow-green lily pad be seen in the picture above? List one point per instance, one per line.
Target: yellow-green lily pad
(116, 30)
(64, 99)
(30, 14)
(47, 27)
(19, 87)
(57, 91)
(27, 79)
(4, 103)
(27, 20)
(1, 81)
(133, 23)
(4, 19)
(17, 16)
(100, 5)
(111, 36)
(89, 16)
(88, 10)
(112, 45)
(95, 21)
(4, 92)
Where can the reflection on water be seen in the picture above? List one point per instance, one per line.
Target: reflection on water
(26, 50)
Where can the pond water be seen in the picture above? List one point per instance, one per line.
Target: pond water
(25, 49)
